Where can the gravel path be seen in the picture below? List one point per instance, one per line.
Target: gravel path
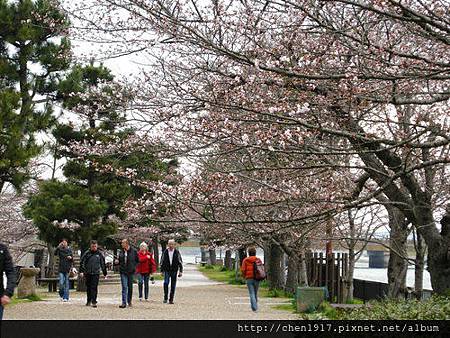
(196, 297)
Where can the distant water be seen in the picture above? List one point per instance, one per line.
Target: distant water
(362, 270)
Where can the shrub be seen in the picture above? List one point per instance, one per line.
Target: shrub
(435, 308)
(263, 284)
(275, 293)
(355, 301)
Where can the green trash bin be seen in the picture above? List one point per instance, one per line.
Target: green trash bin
(309, 298)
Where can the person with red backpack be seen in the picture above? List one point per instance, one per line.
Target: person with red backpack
(144, 269)
(253, 271)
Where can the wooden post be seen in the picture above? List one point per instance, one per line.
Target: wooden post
(321, 270)
(315, 271)
(333, 279)
(329, 233)
(338, 281)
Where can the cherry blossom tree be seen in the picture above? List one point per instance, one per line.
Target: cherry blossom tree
(326, 84)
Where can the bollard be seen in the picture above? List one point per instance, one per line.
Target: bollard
(309, 298)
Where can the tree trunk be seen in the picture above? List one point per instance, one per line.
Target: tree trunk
(228, 261)
(302, 271)
(202, 254)
(115, 256)
(266, 250)
(156, 252)
(349, 285)
(212, 256)
(44, 262)
(81, 282)
(237, 267)
(419, 266)
(242, 255)
(438, 249)
(275, 276)
(293, 274)
(398, 265)
(163, 246)
(51, 260)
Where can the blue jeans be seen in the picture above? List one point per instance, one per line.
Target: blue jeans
(253, 286)
(64, 285)
(127, 287)
(143, 281)
(1, 312)
(172, 277)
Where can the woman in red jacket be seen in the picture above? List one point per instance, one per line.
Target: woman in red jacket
(144, 269)
(248, 273)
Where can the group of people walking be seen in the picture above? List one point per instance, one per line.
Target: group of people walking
(131, 263)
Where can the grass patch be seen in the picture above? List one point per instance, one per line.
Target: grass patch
(356, 301)
(291, 306)
(157, 276)
(324, 311)
(285, 307)
(274, 293)
(32, 298)
(220, 274)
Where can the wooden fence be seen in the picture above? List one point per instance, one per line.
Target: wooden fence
(329, 271)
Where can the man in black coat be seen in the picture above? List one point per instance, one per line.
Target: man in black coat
(7, 267)
(65, 264)
(171, 263)
(128, 259)
(91, 263)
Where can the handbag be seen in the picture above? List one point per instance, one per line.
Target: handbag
(73, 272)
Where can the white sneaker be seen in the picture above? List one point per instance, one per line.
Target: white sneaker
(65, 300)
(140, 299)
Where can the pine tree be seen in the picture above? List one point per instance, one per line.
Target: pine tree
(34, 50)
(88, 197)
(90, 200)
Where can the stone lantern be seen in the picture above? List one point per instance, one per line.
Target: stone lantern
(27, 284)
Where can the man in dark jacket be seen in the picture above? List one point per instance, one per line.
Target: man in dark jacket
(91, 263)
(128, 259)
(7, 267)
(171, 262)
(65, 264)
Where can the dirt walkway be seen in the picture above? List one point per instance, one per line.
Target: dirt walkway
(196, 297)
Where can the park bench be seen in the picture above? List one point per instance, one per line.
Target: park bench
(53, 283)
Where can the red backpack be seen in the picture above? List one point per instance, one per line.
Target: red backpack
(259, 273)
